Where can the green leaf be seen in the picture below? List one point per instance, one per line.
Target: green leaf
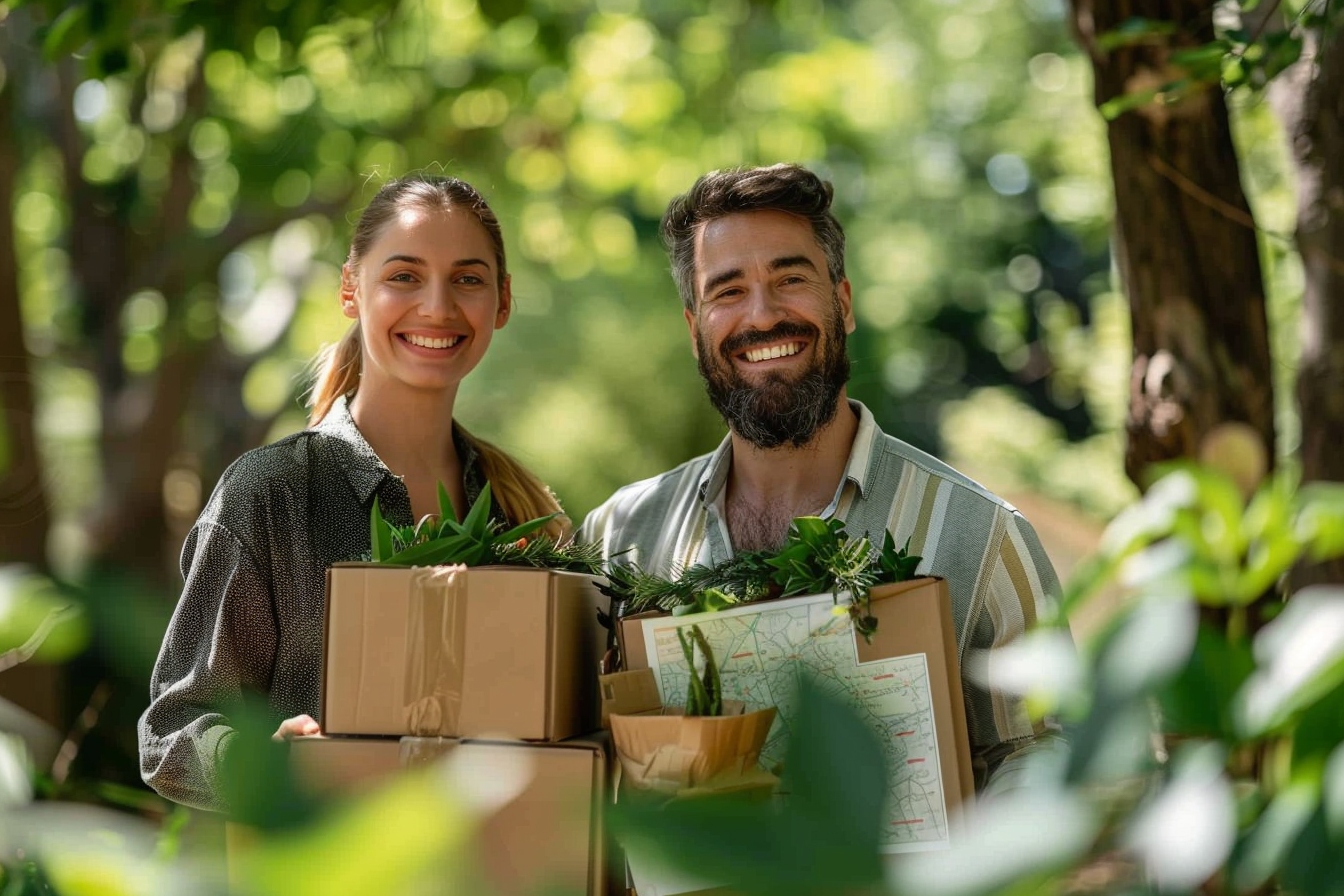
(1263, 852)
(834, 770)
(380, 534)
(439, 552)
(1301, 656)
(522, 530)
(1204, 61)
(257, 780)
(1198, 701)
(896, 565)
(1282, 50)
(67, 33)
(1135, 31)
(1320, 522)
(1268, 560)
(446, 509)
(1315, 862)
(712, 600)
(477, 521)
(824, 838)
(810, 529)
(424, 529)
(697, 698)
(1320, 729)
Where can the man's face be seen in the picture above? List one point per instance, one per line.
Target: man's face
(769, 327)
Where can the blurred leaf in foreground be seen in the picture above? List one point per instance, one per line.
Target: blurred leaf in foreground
(821, 838)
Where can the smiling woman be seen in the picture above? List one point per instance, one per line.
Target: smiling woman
(426, 285)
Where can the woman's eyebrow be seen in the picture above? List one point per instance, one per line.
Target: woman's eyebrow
(414, 259)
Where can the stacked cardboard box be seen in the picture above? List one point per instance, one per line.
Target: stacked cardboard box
(424, 662)
(548, 837)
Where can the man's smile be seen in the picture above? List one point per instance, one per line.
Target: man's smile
(770, 352)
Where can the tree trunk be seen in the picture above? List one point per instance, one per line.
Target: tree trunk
(1185, 243)
(24, 516)
(1311, 100)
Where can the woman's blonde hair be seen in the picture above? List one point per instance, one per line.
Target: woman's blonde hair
(517, 491)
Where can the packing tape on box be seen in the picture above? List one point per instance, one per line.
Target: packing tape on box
(436, 639)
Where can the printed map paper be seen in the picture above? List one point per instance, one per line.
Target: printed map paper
(760, 649)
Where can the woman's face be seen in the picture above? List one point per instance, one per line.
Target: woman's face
(427, 297)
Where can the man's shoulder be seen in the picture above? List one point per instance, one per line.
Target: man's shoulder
(650, 501)
(939, 469)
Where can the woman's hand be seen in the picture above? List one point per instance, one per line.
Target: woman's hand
(299, 726)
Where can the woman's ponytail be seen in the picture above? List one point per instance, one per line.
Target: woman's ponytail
(338, 369)
(517, 490)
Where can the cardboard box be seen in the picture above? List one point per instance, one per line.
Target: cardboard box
(456, 652)
(548, 837)
(911, 663)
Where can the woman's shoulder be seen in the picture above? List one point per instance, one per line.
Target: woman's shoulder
(280, 460)
(257, 478)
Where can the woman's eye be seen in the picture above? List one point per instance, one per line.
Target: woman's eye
(402, 277)
(470, 280)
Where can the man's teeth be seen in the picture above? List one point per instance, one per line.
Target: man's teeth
(426, 342)
(774, 351)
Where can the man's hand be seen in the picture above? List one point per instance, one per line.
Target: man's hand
(299, 726)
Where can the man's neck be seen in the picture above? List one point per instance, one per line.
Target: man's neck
(768, 487)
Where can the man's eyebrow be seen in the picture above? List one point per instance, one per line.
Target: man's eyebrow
(792, 261)
(721, 278)
(777, 264)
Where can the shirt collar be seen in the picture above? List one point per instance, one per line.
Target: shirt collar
(858, 469)
(365, 469)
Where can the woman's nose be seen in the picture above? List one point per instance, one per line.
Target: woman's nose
(439, 303)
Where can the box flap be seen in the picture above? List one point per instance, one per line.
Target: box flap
(628, 693)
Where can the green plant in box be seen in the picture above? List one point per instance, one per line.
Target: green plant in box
(475, 541)
(704, 694)
(817, 556)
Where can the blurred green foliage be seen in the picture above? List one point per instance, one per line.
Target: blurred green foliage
(1199, 758)
(969, 167)
(971, 176)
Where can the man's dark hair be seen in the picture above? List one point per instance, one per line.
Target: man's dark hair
(782, 187)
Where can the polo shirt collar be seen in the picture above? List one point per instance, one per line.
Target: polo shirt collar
(859, 468)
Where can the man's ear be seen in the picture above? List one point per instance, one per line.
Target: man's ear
(846, 300)
(505, 303)
(349, 291)
(695, 332)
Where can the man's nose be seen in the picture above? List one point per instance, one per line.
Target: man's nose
(764, 307)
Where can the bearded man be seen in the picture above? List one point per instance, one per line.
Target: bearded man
(759, 260)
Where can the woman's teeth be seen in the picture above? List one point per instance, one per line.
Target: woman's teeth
(774, 351)
(426, 342)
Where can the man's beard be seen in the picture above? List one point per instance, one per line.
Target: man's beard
(779, 410)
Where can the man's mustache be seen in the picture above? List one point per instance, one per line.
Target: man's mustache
(787, 329)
